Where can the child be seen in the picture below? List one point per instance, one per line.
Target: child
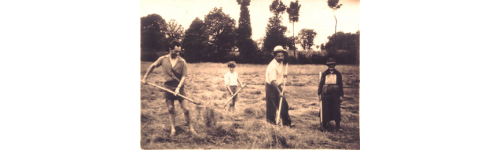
(231, 80)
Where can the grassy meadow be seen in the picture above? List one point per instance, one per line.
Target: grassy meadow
(246, 127)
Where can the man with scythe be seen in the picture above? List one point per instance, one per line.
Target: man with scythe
(274, 88)
(175, 72)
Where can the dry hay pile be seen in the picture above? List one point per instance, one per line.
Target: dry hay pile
(206, 112)
(255, 112)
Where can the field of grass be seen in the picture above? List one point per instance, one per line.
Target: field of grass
(246, 127)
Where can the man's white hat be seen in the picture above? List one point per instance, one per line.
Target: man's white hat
(279, 48)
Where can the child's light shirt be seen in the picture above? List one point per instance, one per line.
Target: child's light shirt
(231, 78)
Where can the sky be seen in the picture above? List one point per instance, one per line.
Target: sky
(314, 14)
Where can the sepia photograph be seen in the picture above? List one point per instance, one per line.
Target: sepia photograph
(249, 74)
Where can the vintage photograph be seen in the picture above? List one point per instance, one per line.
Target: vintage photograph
(249, 74)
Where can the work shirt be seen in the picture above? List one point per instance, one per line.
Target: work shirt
(172, 74)
(274, 71)
(231, 78)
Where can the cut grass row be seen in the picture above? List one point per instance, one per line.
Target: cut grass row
(246, 127)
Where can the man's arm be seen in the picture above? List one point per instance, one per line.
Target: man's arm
(321, 83)
(180, 85)
(151, 68)
(272, 74)
(184, 74)
(274, 84)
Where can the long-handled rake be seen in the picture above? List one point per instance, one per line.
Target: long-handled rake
(278, 115)
(320, 105)
(208, 115)
(190, 100)
(234, 94)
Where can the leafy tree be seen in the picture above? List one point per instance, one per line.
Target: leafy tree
(317, 46)
(322, 46)
(275, 32)
(244, 40)
(334, 4)
(260, 43)
(244, 30)
(195, 42)
(306, 38)
(277, 8)
(152, 36)
(344, 46)
(290, 41)
(174, 31)
(293, 16)
(220, 28)
(152, 33)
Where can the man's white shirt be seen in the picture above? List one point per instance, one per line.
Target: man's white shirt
(274, 72)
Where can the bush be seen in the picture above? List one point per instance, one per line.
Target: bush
(148, 56)
(258, 57)
(261, 57)
(301, 58)
(318, 58)
(311, 57)
(292, 60)
(233, 57)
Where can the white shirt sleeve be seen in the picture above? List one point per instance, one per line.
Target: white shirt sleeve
(271, 72)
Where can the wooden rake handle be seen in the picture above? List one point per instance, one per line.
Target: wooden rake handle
(278, 114)
(234, 94)
(190, 100)
(320, 105)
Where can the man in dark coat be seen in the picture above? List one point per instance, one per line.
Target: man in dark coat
(329, 92)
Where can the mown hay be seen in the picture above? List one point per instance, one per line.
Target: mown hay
(250, 96)
(146, 117)
(254, 91)
(209, 117)
(222, 88)
(298, 84)
(241, 129)
(254, 112)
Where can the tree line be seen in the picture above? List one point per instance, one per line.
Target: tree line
(215, 38)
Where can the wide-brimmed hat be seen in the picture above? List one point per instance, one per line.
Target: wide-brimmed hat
(279, 48)
(331, 61)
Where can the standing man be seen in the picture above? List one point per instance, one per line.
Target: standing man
(274, 83)
(329, 92)
(174, 70)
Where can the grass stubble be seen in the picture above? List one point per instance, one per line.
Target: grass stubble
(246, 127)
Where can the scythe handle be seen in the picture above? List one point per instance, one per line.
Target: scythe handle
(165, 89)
(278, 114)
(320, 105)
